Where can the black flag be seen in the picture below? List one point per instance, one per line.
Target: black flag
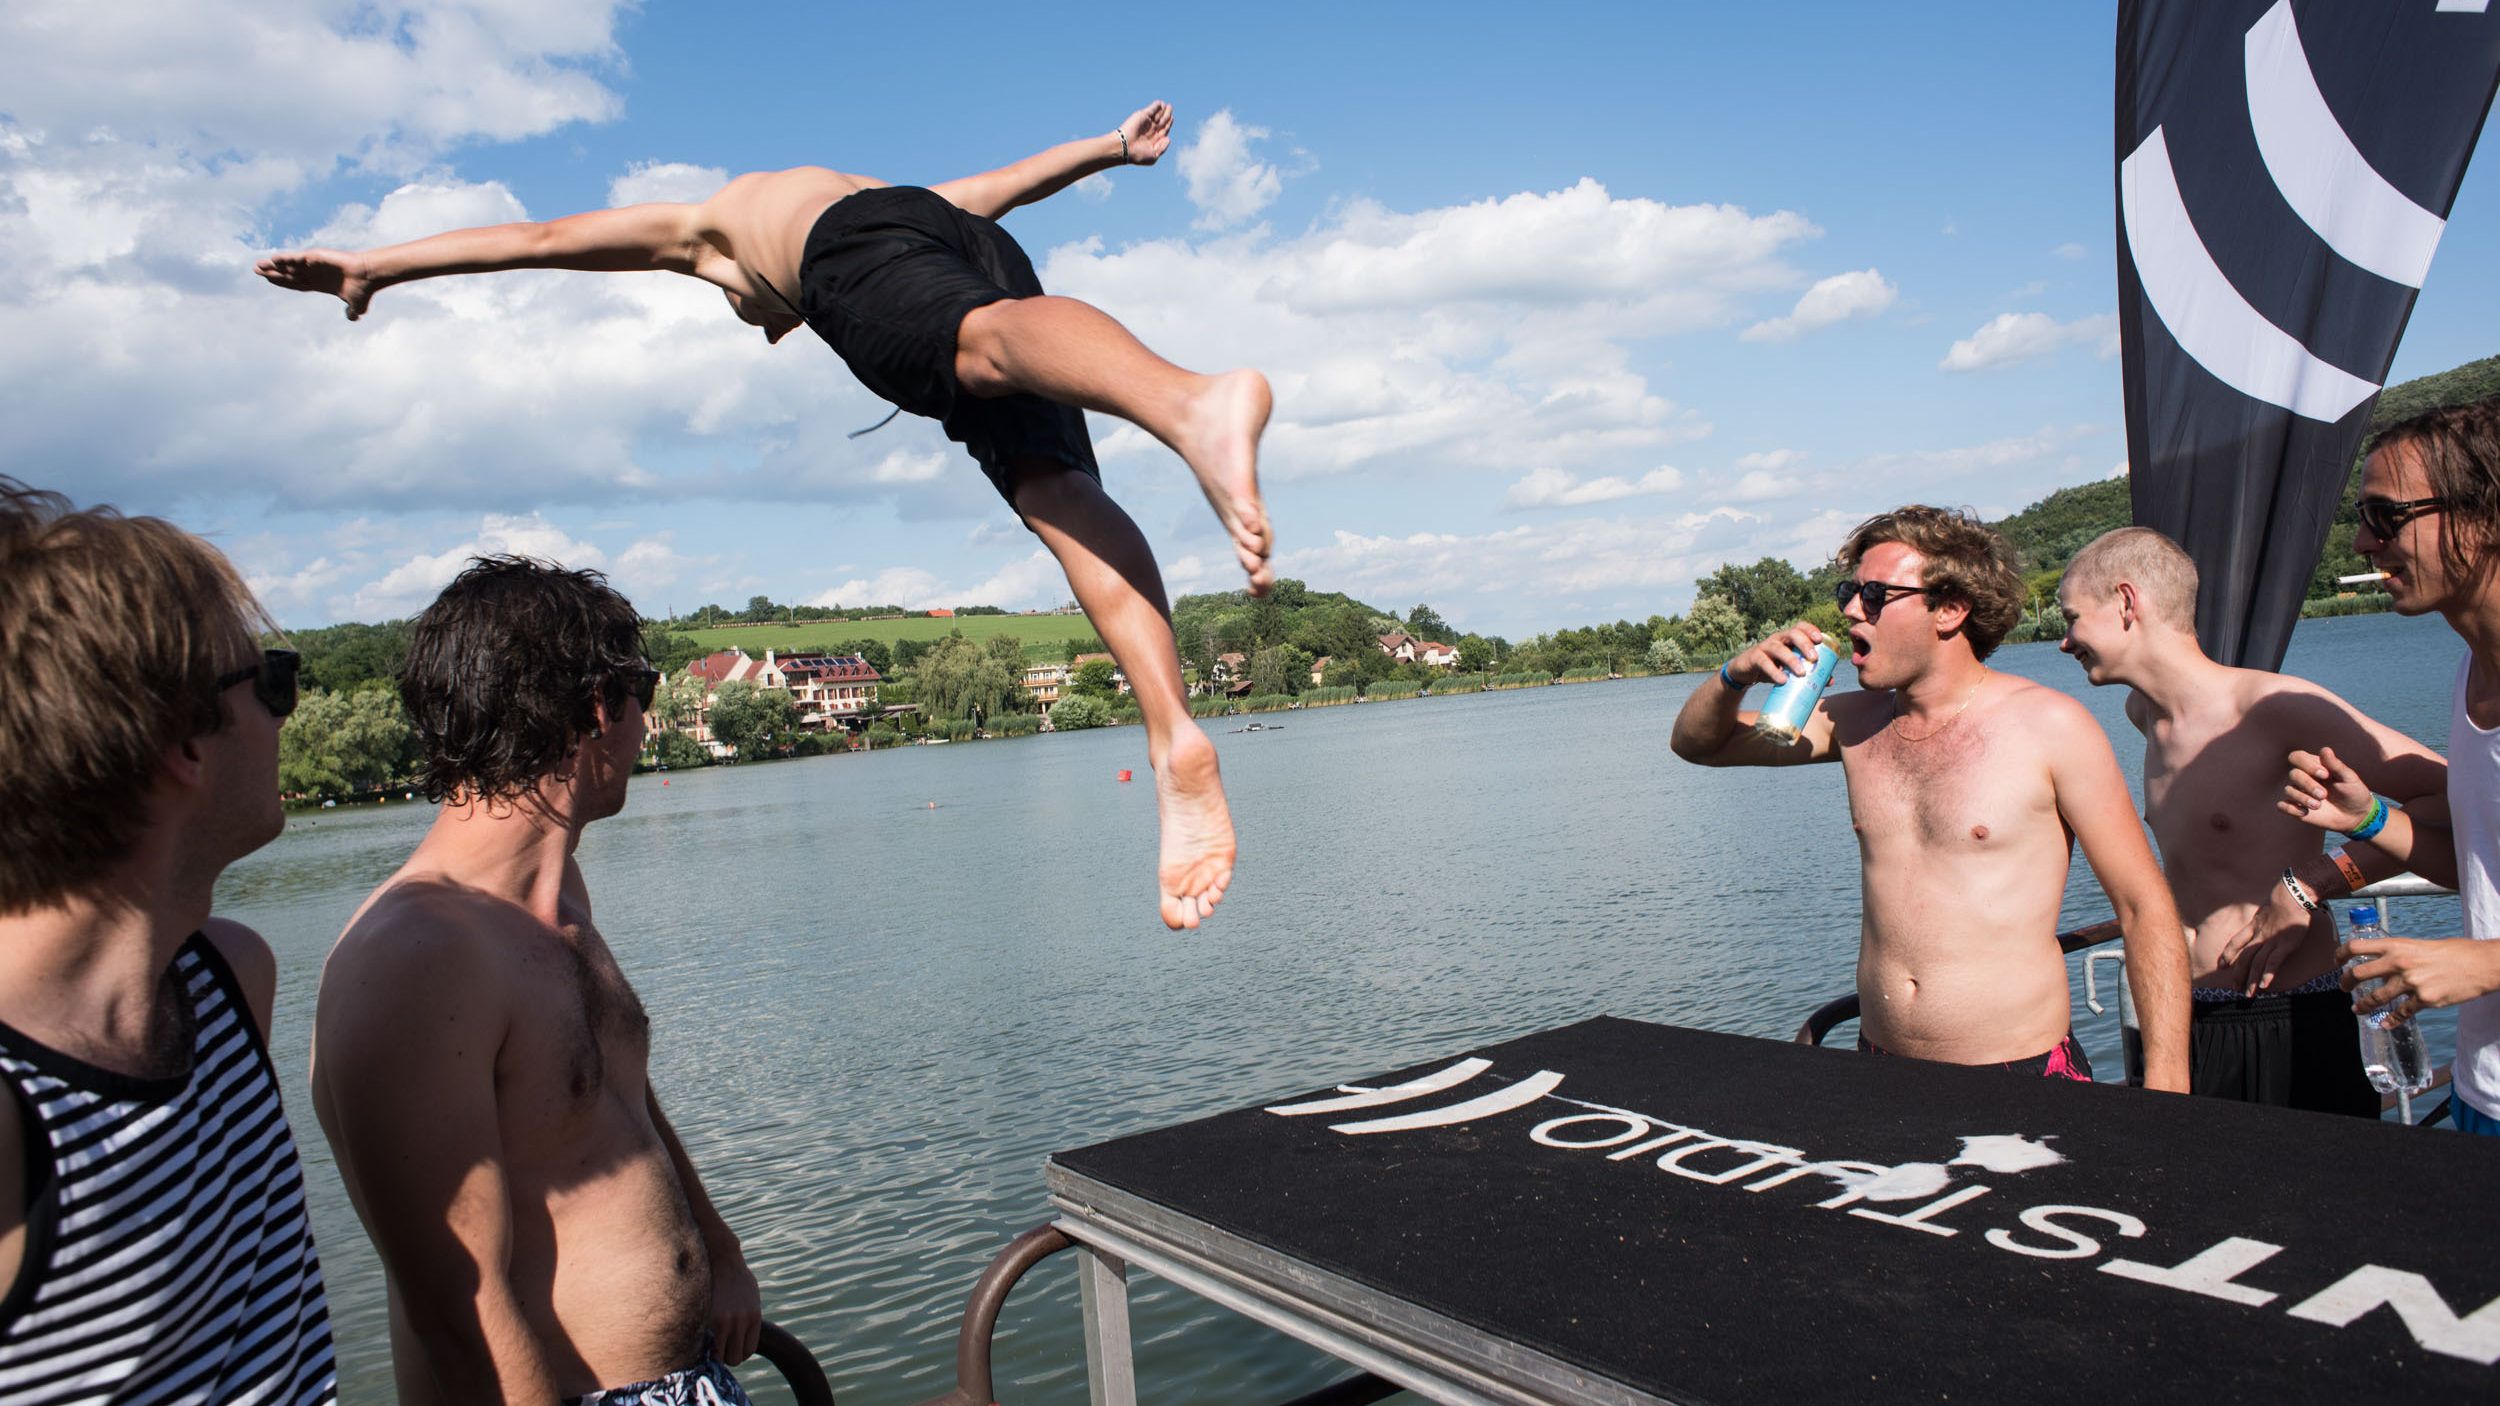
(2284, 173)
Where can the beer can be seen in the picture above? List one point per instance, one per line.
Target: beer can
(1784, 713)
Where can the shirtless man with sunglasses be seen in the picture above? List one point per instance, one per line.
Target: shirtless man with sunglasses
(1968, 789)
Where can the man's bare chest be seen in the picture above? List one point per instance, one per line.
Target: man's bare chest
(580, 1034)
(1965, 792)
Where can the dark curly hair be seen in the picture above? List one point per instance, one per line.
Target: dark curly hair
(505, 671)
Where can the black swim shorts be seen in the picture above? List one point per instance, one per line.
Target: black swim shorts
(2298, 1050)
(887, 278)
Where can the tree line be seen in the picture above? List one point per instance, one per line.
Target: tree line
(349, 735)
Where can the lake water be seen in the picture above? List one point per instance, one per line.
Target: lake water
(872, 1020)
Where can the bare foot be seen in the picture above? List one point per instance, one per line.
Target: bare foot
(1220, 439)
(321, 271)
(1197, 859)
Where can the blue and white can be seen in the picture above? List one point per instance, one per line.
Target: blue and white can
(1784, 713)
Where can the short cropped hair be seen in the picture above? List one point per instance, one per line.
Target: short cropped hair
(505, 671)
(113, 631)
(2158, 567)
(2459, 447)
(1965, 560)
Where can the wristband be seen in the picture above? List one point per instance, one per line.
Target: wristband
(2291, 885)
(1122, 134)
(2376, 822)
(1731, 683)
(2351, 871)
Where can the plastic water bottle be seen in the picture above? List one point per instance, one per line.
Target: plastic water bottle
(2392, 1052)
(1784, 713)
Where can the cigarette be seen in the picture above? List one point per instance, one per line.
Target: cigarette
(2363, 579)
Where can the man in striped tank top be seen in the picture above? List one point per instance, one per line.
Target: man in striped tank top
(153, 1240)
(479, 1058)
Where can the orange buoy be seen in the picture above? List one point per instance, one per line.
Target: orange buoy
(1124, 773)
(664, 781)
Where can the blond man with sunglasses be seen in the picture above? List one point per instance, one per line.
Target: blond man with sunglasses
(1968, 789)
(140, 1123)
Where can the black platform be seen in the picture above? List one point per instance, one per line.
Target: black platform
(2334, 1259)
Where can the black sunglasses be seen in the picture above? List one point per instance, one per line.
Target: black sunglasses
(2384, 515)
(273, 680)
(642, 685)
(1873, 593)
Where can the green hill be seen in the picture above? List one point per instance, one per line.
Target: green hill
(2051, 531)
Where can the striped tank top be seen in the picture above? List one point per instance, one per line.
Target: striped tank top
(168, 1256)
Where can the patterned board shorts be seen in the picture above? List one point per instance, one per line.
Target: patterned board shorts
(707, 1383)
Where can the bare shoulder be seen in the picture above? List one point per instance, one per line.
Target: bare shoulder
(255, 967)
(2048, 716)
(420, 942)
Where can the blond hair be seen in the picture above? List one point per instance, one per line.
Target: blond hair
(117, 629)
(1963, 559)
(2160, 569)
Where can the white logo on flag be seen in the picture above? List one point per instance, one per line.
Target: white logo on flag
(2325, 179)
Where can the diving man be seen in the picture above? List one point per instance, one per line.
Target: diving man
(936, 308)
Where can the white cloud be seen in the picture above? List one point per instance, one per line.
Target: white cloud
(1556, 488)
(1226, 182)
(407, 588)
(2070, 250)
(911, 587)
(1483, 335)
(1770, 460)
(904, 466)
(1835, 299)
(2012, 338)
(1760, 486)
(385, 85)
(666, 181)
(1031, 582)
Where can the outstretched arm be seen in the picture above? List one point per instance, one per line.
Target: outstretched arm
(991, 194)
(605, 241)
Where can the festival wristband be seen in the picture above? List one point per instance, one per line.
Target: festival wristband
(2351, 871)
(2376, 822)
(2292, 886)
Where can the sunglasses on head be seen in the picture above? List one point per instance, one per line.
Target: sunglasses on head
(1873, 593)
(273, 680)
(2384, 515)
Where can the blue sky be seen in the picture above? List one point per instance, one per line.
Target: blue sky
(1563, 307)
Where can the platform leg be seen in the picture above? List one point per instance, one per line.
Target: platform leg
(1110, 1366)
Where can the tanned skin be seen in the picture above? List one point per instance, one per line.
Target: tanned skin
(480, 1063)
(747, 240)
(1962, 782)
(2324, 790)
(2214, 742)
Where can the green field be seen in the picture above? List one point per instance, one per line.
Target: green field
(1044, 636)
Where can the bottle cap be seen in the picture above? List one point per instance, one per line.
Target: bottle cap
(2364, 915)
